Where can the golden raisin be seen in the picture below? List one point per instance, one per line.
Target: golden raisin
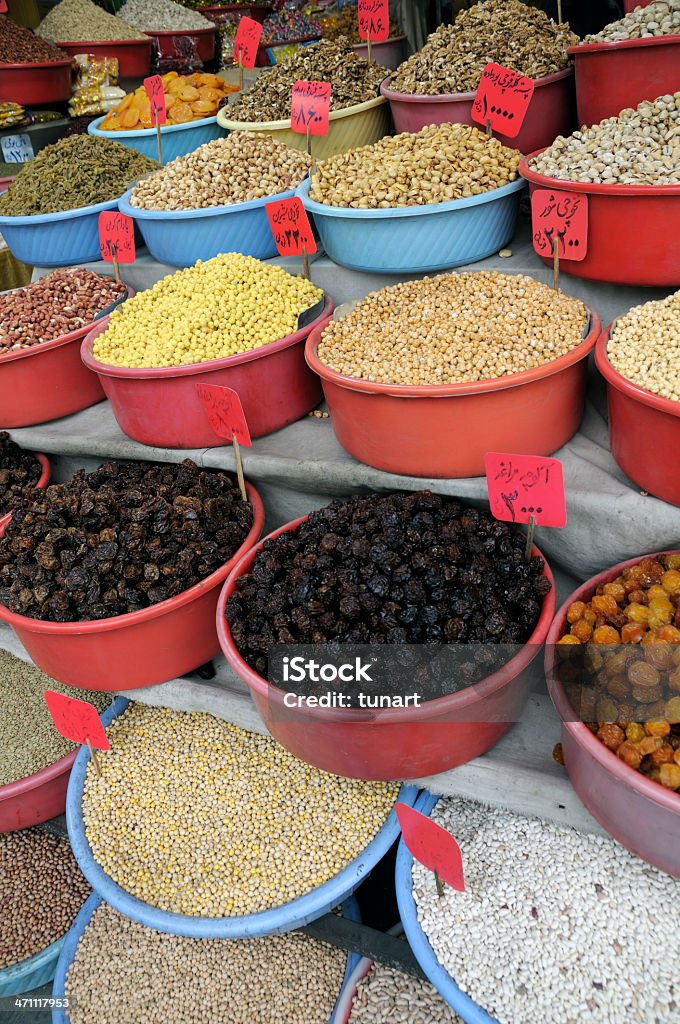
(569, 638)
(648, 695)
(610, 735)
(668, 635)
(659, 655)
(649, 744)
(660, 612)
(606, 635)
(582, 630)
(630, 754)
(664, 755)
(676, 756)
(657, 728)
(575, 611)
(606, 711)
(615, 590)
(674, 679)
(670, 581)
(637, 612)
(672, 711)
(618, 687)
(604, 605)
(669, 776)
(634, 732)
(641, 673)
(671, 561)
(558, 753)
(632, 633)
(637, 597)
(590, 616)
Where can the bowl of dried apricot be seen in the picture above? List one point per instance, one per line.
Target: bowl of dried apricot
(613, 672)
(191, 103)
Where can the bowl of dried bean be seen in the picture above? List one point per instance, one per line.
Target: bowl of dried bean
(429, 392)
(136, 605)
(639, 357)
(613, 671)
(320, 584)
(42, 376)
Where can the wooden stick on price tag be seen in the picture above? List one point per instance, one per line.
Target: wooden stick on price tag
(226, 417)
(368, 46)
(530, 538)
(309, 142)
(239, 467)
(240, 74)
(556, 263)
(93, 755)
(488, 126)
(116, 271)
(305, 262)
(158, 141)
(438, 882)
(559, 11)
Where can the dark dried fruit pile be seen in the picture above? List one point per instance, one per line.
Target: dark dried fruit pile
(19, 473)
(397, 569)
(119, 539)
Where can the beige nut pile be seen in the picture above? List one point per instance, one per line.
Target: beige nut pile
(507, 32)
(435, 165)
(388, 995)
(242, 167)
(639, 147)
(453, 329)
(644, 346)
(661, 18)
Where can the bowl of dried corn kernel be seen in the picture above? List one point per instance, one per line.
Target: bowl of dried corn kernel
(639, 357)
(613, 671)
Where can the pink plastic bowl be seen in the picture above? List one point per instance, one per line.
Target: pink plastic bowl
(141, 648)
(43, 481)
(389, 54)
(36, 798)
(391, 744)
(160, 407)
(641, 814)
(552, 111)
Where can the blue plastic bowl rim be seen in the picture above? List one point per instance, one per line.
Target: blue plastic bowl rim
(418, 941)
(25, 968)
(321, 210)
(279, 919)
(40, 219)
(137, 213)
(72, 939)
(146, 133)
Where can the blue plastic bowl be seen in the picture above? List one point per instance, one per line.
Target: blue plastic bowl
(180, 237)
(418, 941)
(350, 910)
(266, 922)
(411, 239)
(176, 139)
(31, 973)
(56, 239)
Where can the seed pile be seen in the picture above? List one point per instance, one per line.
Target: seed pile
(624, 678)
(244, 166)
(98, 170)
(57, 304)
(162, 16)
(435, 165)
(347, 24)
(453, 328)
(74, 20)
(42, 891)
(19, 473)
(187, 98)
(28, 739)
(638, 147)
(506, 32)
(386, 994)
(119, 539)
(249, 840)
(551, 927)
(353, 80)
(289, 978)
(229, 304)
(661, 18)
(644, 346)
(20, 46)
(391, 569)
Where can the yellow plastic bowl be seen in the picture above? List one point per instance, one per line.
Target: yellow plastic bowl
(360, 125)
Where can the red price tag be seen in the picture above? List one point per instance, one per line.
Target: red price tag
(560, 215)
(290, 227)
(502, 99)
(225, 412)
(246, 42)
(521, 486)
(116, 236)
(3, 6)
(374, 20)
(432, 845)
(156, 94)
(76, 720)
(310, 107)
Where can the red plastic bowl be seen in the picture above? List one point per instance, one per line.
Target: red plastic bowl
(391, 744)
(39, 82)
(133, 55)
(160, 407)
(36, 798)
(552, 111)
(641, 814)
(445, 430)
(43, 481)
(644, 431)
(630, 5)
(141, 648)
(633, 231)
(613, 76)
(203, 39)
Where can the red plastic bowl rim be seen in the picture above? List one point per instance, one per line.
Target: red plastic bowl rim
(458, 97)
(47, 346)
(39, 778)
(192, 369)
(42, 482)
(154, 611)
(99, 43)
(621, 44)
(37, 65)
(592, 188)
(451, 702)
(595, 748)
(477, 387)
(627, 387)
(182, 32)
